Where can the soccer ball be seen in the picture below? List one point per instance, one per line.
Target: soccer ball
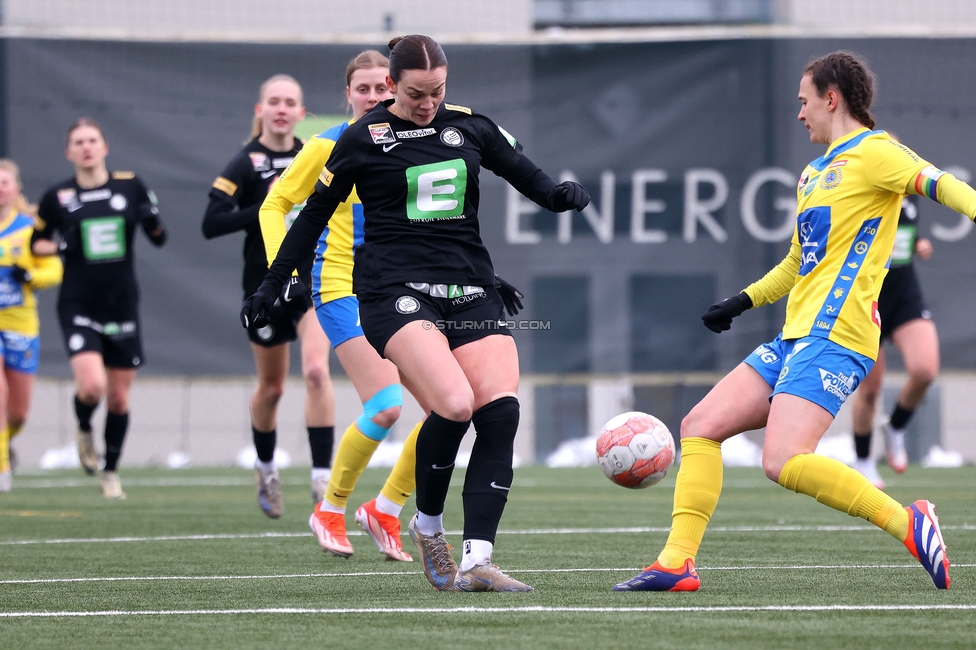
(635, 450)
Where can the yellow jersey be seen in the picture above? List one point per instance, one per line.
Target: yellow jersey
(335, 250)
(18, 306)
(848, 202)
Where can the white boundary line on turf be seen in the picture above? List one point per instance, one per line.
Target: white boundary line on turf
(533, 531)
(490, 610)
(358, 574)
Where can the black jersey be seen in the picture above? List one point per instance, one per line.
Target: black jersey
(235, 203)
(420, 194)
(95, 229)
(903, 251)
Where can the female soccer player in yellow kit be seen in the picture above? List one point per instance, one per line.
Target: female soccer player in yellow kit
(847, 215)
(21, 273)
(376, 380)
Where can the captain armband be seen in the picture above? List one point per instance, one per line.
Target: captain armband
(927, 182)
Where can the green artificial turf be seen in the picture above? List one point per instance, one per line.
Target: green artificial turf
(189, 561)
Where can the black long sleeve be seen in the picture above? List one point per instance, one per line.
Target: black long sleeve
(531, 181)
(221, 218)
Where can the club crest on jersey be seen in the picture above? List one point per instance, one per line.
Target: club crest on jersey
(452, 137)
(407, 305)
(381, 133)
(831, 179)
(260, 161)
(67, 196)
(118, 202)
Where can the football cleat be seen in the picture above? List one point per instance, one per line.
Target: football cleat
(111, 485)
(269, 493)
(487, 577)
(896, 454)
(86, 452)
(330, 529)
(384, 529)
(924, 542)
(658, 578)
(435, 553)
(320, 486)
(869, 469)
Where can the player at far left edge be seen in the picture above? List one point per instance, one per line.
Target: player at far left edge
(93, 217)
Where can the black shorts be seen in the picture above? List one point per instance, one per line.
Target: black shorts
(466, 318)
(283, 328)
(900, 300)
(119, 342)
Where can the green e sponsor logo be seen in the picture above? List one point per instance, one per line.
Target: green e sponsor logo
(436, 191)
(103, 238)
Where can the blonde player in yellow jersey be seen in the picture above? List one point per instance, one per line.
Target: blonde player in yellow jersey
(376, 380)
(847, 215)
(21, 273)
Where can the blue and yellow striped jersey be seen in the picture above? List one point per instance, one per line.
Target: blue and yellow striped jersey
(335, 250)
(18, 306)
(848, 202)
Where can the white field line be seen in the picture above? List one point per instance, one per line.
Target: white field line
(492, 610)
(359, 574)
(534, 531)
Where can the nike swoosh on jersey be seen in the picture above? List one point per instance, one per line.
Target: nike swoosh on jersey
(388, 147)
(445, 467)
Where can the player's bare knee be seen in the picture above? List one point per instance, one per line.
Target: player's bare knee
(772, 465)
(316, 376)
(270, 392)
(923, 376)
(91, 391)
(387, 417)
(458, 406)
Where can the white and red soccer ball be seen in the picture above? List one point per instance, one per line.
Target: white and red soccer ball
(635, 450)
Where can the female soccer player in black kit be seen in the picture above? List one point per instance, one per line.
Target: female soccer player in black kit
(93, 217)
(235, 202)
(426, 290)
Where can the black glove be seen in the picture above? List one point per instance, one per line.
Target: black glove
(719, 316)
(295, 296)
(20, 274)
(568, 196)
(256, 310)
(511, 296)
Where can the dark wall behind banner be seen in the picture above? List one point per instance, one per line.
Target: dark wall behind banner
(688, 124)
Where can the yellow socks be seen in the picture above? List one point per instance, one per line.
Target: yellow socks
(834, 484)
(5, 449)
(352, 456)
(696, 493)
(403, 479)
(13, 430)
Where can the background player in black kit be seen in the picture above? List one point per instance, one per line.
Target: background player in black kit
(93, 217)
(426, 289)
(906, 322)
(235, 202)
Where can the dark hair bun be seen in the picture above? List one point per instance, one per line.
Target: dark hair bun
(392, 43)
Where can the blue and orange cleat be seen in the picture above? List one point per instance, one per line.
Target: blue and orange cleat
(925, 542)
(658, 578)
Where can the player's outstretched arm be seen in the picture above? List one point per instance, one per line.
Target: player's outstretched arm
(946, 189)
(297, 245)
